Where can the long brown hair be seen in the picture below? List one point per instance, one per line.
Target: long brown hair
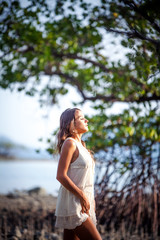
(64, 131)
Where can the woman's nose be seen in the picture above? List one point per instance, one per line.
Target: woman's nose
(86, 120)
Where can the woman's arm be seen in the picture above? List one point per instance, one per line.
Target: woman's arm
(67, 152)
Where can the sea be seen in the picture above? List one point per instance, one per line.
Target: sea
(23, 175)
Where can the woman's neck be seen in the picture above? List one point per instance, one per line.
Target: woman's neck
(77, 137)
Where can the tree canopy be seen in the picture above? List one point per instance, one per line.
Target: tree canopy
(67, 42)
(37, 41)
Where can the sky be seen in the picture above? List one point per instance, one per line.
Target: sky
(22, 119)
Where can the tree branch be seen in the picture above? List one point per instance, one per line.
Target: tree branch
(70, 79)
(113, 98)
(71, 56)
(74, 81)
(134, 34)
(75, 56)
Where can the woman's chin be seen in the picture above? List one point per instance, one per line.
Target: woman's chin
(85, 130)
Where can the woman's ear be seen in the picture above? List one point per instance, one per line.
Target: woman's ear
(72, 128)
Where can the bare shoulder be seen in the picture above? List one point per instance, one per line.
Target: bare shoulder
(69, 144)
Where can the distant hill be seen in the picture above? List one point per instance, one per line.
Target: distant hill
(12, 150)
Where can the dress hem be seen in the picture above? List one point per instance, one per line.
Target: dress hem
(64, 226)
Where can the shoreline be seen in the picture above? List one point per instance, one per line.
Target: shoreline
(36, 198)
(28, 215)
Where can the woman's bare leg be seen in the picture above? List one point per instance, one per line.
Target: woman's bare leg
(87, 231)
(69, 235)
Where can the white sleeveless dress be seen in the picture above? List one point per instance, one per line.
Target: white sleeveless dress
(68, 208)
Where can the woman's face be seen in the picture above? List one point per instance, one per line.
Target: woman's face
(80, 122)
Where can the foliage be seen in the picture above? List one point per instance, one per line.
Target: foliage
(69, 43)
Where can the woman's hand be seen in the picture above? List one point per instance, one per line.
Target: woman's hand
(85, 204)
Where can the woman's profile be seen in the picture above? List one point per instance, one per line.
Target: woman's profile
(75, 209)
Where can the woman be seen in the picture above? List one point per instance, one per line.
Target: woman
(75, 211)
